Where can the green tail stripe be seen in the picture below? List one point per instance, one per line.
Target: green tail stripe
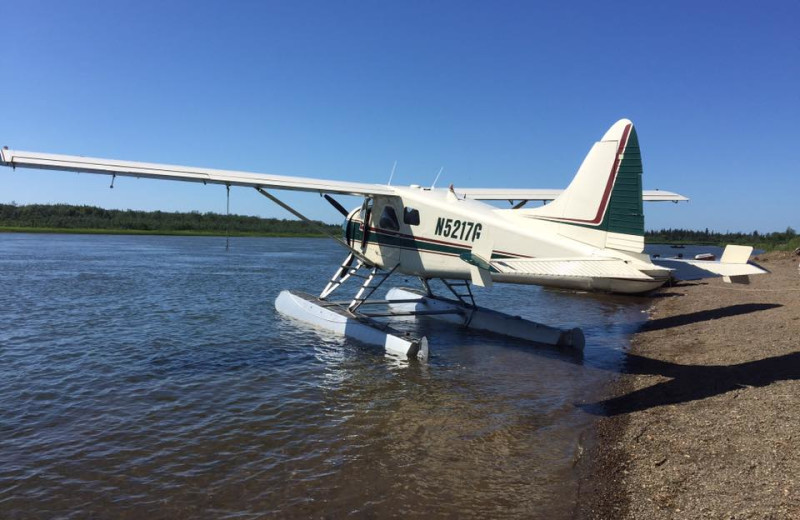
(625, 212)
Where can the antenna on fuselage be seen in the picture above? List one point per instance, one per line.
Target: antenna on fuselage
(391, 175)
(437, 177)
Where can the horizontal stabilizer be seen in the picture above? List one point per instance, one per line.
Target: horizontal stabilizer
(734, 266)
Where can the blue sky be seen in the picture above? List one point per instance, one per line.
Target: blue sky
(500, 94)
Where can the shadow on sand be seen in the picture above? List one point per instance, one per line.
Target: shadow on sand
(693, 382)
(711, 314)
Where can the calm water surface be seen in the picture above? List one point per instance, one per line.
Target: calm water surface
(151, 377)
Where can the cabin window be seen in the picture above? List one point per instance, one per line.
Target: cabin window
(411, 216)
(388, 219)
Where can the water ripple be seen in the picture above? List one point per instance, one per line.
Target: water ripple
(150, 376)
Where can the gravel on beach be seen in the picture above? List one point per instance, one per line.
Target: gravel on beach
(704, 421)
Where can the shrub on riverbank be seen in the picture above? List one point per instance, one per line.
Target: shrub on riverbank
(787, 240)
(64, 218)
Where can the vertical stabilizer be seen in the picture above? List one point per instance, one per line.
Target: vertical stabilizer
(602, 206)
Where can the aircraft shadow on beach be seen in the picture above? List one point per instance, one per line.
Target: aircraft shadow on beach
(693, 382)
(707, 315)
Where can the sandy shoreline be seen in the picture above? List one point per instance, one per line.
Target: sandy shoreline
(705, 420)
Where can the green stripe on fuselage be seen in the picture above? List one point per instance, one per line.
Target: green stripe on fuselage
(409, 242)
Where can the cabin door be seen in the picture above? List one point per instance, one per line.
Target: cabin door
(386, 216)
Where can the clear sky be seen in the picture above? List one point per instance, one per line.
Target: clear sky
(500, 94)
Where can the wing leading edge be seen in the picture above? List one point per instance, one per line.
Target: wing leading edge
(74, 163)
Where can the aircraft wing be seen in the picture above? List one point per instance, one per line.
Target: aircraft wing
(74, 163)
(546, 195)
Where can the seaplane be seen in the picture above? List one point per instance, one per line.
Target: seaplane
(586, 237)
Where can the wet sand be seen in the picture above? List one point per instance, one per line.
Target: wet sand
(705, 420)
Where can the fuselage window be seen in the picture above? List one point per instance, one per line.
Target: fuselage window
(411, 216)
(388, 219)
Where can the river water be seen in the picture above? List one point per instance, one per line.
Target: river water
(150, 377)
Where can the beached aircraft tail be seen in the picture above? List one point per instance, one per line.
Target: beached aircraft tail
(602, 206)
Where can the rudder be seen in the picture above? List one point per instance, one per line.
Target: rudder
(603, 203)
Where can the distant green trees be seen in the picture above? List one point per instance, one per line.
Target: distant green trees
(67, 217)
(779, 240)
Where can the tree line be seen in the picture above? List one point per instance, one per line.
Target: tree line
(784, 240)
(68, 217)
(65, 217)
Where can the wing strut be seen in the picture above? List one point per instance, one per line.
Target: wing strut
(313, 224)
(227, 217)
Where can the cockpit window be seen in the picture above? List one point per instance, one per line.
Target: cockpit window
(411, 216)
(388, 219)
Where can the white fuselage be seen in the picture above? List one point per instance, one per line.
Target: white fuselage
(424, 232)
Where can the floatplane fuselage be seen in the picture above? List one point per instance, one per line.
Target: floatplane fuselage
(588, 237)
(434, 233)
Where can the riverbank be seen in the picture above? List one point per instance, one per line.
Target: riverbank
(704, 423)
(91, 220)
